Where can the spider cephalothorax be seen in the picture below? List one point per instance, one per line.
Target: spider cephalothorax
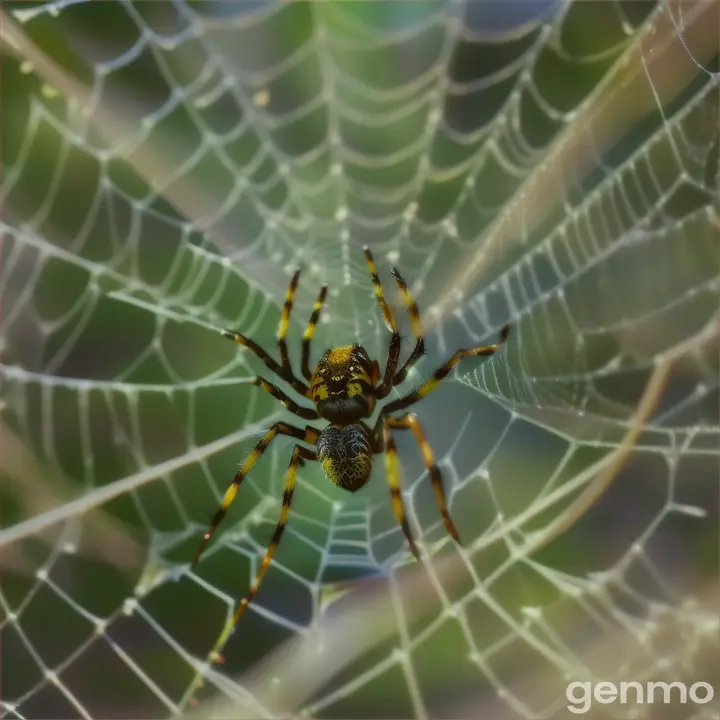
(344, 389)
(342, 385)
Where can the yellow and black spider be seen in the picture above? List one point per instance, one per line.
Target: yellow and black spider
(344, 388)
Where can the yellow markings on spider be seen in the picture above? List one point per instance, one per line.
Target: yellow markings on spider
(247, 466)
(344, 388)
(308, 335)
(328, 466)
(413, 311)
(354, 389)
(397, 503)
(387, 312)
(230, 494)
(340, 356)
(393, 478)
(320, 392)
(428, 387)
(310, 329)
(411, 422)
(287, 308)
(427, 452)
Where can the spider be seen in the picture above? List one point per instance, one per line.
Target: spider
(344, 389)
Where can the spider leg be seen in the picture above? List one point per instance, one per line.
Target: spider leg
(392, 472)
(374, 371)
(299, 455)
(278, 394)
(283, 369)
(310, 331)
(394, 349)
(270, 363)
(443, 371)
(379, 294)
(416, 323)
(308, 435)
(285, 323)
(411, 422)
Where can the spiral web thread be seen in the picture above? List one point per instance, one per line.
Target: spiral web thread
(168, 165)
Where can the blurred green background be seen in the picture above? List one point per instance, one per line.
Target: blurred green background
(166, 166)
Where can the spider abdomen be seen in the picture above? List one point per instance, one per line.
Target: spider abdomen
(345, 454)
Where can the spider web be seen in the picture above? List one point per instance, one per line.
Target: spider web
(168, 165)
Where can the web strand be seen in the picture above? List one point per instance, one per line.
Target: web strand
(164, 175)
